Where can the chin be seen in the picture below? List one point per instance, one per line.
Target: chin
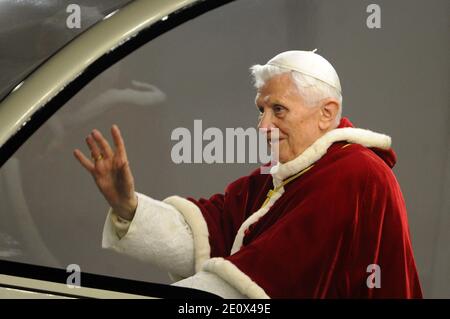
(284, 159)
(284, 155)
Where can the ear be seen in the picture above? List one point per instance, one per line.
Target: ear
(329, 109)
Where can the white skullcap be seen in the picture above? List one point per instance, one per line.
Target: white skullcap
(309, 63)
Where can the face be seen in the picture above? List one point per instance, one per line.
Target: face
(281, 106)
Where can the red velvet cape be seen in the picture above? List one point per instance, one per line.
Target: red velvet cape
(317, 240)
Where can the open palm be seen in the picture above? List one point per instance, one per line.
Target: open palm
(111, 171)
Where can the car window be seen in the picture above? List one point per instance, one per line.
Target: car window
(52, 214)
(32, 31)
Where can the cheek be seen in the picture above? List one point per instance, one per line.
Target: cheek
(297, 130)
(286, 126)
(298, 135)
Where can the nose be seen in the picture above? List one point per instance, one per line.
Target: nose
(267, 127)
(265, 122)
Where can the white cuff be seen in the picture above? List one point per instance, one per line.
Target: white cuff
(121, 225)
(158, 234)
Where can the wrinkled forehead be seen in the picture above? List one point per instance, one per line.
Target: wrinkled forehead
(277, 88)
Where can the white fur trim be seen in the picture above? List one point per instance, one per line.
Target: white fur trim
(313, 153)
(235, 277)
(237, 244)
(207, 281)
(194, 218)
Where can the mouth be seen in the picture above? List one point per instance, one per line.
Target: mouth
(275, 140)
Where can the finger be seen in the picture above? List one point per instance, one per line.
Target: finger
(84, 160)
(95, 151)
(103, 143)
(118, 141)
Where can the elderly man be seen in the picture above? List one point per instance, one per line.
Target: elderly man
(328, 222)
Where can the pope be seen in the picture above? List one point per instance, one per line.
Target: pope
(330, 209)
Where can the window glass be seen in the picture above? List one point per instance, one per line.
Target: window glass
(31, 31)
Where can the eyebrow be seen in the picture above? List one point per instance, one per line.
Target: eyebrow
(270, 101)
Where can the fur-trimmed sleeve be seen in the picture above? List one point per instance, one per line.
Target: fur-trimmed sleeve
(158, 234)
(214, 221)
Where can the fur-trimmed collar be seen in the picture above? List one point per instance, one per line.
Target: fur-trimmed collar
(313, 153)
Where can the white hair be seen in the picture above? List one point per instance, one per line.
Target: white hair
(311, 89)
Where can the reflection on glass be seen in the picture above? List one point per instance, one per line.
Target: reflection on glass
(32, 31)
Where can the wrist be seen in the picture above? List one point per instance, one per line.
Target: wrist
(128, 211)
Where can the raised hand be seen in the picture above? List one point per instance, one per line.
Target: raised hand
(111, 171)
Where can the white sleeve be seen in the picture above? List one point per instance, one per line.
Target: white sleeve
(212, 283)
(158, 234)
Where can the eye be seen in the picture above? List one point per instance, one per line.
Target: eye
(260, 109)
(278, 108)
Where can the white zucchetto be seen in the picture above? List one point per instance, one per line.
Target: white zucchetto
(309, 63)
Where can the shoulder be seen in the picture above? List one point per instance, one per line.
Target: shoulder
(357, 163)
